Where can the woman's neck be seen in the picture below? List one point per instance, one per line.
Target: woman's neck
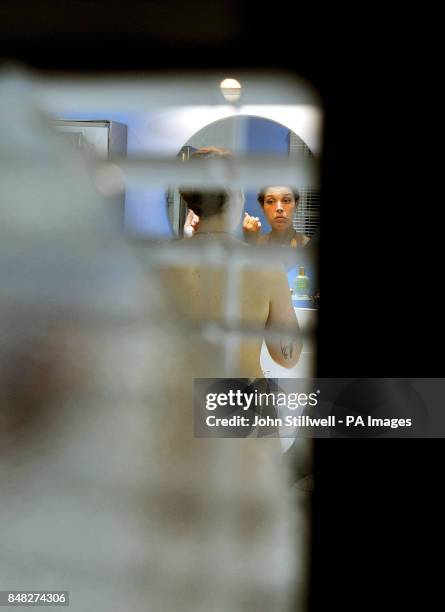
(282, 236)
(215, 224)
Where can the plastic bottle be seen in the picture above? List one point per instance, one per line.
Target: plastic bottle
(301, 285)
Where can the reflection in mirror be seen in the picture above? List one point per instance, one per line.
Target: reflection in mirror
(276, 214)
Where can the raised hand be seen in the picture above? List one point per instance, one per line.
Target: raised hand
(251, 224)
(191, 224)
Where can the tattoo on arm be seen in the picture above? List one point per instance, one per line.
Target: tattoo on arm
(287, 349)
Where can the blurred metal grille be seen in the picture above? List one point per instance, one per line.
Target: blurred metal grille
(107, 492)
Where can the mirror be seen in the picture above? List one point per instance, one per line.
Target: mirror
(249, 135)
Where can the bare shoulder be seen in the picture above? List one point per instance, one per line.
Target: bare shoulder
(274, 281)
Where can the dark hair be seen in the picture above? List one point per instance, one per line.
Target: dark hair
(263, 192)
(211, 202)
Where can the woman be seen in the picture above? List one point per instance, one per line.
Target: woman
(279, 204)
(263, 300)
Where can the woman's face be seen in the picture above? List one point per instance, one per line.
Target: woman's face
(279, 207)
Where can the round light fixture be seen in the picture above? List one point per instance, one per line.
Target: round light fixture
(231, 89)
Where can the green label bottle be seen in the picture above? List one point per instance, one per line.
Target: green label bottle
(301, 285)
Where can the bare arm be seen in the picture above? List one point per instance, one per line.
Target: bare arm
(286, 348)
